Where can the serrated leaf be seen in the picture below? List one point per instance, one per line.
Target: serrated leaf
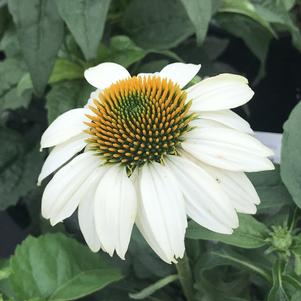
(19, 167)
(40, 32)
(65, 96)
(54, 267)
(199, 13)
(85, 19)
(250, 234)
(156, 24)
(290, 154)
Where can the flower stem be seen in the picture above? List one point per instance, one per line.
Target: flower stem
(185, 277)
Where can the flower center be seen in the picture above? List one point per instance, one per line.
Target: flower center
(138, 120)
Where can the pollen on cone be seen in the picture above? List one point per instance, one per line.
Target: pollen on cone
(137, 120)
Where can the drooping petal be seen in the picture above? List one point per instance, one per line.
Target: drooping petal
(86, 216)
(237, 186)
(228, 149)
(115, 210)
(61, 154)
(64, 127)
(224, 91)
(105, 74)
(227, 118)
(206, 203)
(180, 73)
(70, 198)
(161, 212)
(66, 182)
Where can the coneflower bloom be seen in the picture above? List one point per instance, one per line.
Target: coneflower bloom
(146, 151)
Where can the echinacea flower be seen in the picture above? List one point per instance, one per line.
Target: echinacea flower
(145, 151)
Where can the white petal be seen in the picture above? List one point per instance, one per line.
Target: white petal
(65, 182)
(72, 195)
(227, 118)
(147, 74)
(115, 210)
(237, 186)
(228, 149)
(206, 203)
(61, 154)
(161, 212)
(86, 218)
(224, 91)
(65, 126)
(105, 74)
(180, 73)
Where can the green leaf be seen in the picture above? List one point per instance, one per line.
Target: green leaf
(65, 96)
(86, 20)
(244, 28)
(10, 44)
(65, 69)
(250, 234)
(19, 167)
(228, 257)
(55, 267)
(4, 20)
(293, 280)
(5, 273)
(297, 264)
(148, 291)
(40, 33)
(156, 24)
(274, 11)
(124, 51)
(271, 190)
(153, 66)
(296, 296)
(199, 13)
(24, 84)
(214, 47)
(224, 275)
(11, 72)
(145, 261)
(246, 8)
(290, 154)
(289, 4)
(277, 293)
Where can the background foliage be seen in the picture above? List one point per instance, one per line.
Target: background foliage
(45, 46)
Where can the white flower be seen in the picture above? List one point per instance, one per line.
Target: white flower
(147, 151)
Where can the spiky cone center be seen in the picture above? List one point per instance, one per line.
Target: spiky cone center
(138, 120)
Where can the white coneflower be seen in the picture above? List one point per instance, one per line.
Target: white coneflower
(147, 151)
